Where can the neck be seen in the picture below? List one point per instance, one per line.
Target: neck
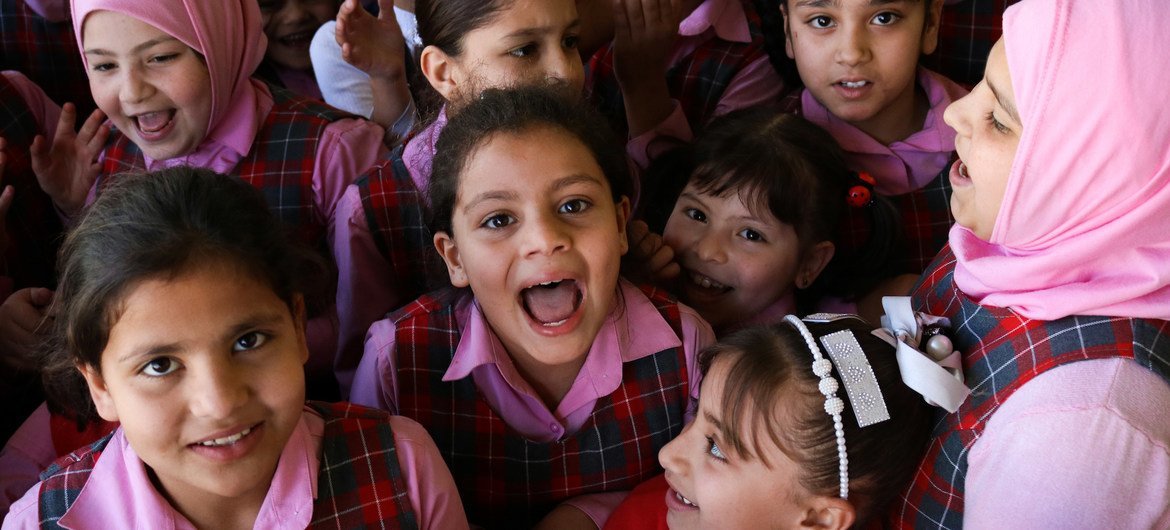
(904, 117)
(206, 510)
(550, 382)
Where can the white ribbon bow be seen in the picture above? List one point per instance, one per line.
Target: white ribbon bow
(940, 382)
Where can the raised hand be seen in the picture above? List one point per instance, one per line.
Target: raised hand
(649, 259)
(67, 167)
(22, 328)
(644, 32)
(372, 45)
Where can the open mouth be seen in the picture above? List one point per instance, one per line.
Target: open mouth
(226, 440)
(853, 84)
(706, 283)
(685, 500)
(154, 122)
(297, 39)
(552, 303)
(963, 170)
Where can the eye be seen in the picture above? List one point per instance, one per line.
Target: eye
(497, 221)
(160, 366)
(751, 235)
(574, 206)
(523, 51)
(165, 58)
(249, 341)
(570, 41)
(101, 67)
(695, 214)
(999, 126)
(820, 22)
(885, 18)
(714, 450)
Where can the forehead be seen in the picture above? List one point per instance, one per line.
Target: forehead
(112, 27)
(527, 15)
(533, 159)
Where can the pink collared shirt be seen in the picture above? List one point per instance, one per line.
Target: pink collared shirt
(481, 355)
(757, 83)
(119, 494)
(905, 165)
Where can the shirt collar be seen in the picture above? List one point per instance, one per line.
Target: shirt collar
(726, 17)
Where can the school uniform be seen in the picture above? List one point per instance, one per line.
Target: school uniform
(437, 360)
(1060, 377)
(912, 173)
(343, 467)
(301, 82)
(717, 64)
(36, 39)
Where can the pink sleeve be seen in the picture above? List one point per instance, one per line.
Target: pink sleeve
(375, 384)
(28, 452)
(598, 506)
(697, 334)
(365, 290)
(756, 84)
(45, 112)
(429, 483)
(25, 513)
(1085, 445)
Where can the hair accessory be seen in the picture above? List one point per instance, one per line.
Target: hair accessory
(823, 369)
(860, 195)
(937, 373)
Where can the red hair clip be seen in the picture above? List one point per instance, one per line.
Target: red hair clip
(861, 194)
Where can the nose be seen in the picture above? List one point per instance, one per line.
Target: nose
(671, 456)
(216, 390)
(565, 68)
(709, 247)
(135, 87)
(544, 236)
(853, 48)
(955, 114)
(293, 11)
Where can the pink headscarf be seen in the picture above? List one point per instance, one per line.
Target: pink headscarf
(1084, 228)
(229, 35)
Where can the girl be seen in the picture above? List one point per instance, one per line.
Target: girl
(756, 222)
(470, 46)
(289, 26)
(181, 306)
(542, 376)
(763, 453)
(858, 63)
(1057, 279)
(174, 77)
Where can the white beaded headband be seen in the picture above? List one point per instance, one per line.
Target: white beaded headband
(860, 384)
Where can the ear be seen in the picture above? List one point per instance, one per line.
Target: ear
(299, 320)
(441, 71)
(447, 248)
(623, 217)
(829, 513)
(930, 26)
(99, 392)
(787, 31)
(814, 261)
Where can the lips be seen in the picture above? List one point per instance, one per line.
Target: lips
(297, 39)
(552, 303)
(958, 175)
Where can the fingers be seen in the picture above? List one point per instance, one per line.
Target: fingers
(40, 297)
(621, 21)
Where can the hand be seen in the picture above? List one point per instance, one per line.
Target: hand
(6, 194)
(373, 45)
(650, 258)
(644, 32)
(66, 170)
(22, 327)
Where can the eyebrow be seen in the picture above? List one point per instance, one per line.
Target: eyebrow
(155, 350)
(1007, 105)
(820, 4)
(541, 30)
(500, 195)
(148, 44)
(713, 420)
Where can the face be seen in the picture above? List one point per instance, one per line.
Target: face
(290, 25)
(538, 238)
(735, 262)
(529, 42)
(988, 133)
(154, 88)
(859, 58)
(710, 487)
(205, 373)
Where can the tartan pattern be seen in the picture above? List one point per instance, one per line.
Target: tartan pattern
(360, 482)
(1002, 351)
(280, 163)
(926, 219)
(32, 226)
(359, 485)
(395, 213)
(696, 81)
(966, 34)
(46, 52)
(506, 480)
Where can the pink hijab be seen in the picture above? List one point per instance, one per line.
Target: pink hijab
(227, 33)
(1084, 228)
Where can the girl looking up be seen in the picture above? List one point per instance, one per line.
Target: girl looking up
(180, 314)
(544, 377)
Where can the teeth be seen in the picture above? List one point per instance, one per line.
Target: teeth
(705, 282)
(549, 284)
(685, 500)
(227, 440)
(853, 84)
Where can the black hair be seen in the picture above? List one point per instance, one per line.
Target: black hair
(154, 225)
(515, 110)
(443, 24)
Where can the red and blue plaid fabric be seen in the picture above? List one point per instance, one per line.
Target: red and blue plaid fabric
(33, 228)
(280, 163)
(1002, 351)
(507, 481)
(359, 483)
(966, 34)
(46, 52)
(395, 213)
(697, 81)
(926, 219)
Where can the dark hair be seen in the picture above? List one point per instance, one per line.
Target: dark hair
(443, 24)
(783, 164)
(153, 225)
(515, 110)
(771, 388)
(772, 25)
